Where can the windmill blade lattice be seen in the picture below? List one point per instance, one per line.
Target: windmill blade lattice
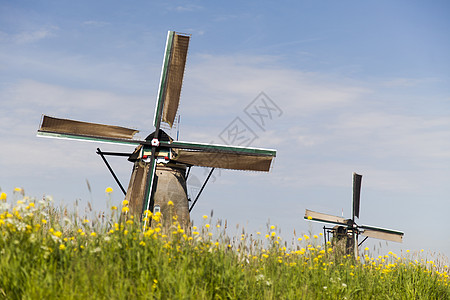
(356, 194)
(326, 218)
(382, 233)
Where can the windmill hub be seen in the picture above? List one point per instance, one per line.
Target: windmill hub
(155, 142)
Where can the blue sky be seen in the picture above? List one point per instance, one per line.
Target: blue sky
(363, 87)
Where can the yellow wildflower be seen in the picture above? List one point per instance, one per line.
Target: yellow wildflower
(93, 234)
(205, 217)
(62, 247)
(3, 196)
(125, 209)
(44, 221)
(170, 203)
(207, 225)
(85, 221)
(109, 190)
(309, 218)
(113, 207)
(18, 190)
(125, 202)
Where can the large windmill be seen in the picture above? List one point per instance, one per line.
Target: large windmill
(346, 231)
(160, 163)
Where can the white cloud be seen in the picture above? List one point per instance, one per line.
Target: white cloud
(395, 135)
(30, 98)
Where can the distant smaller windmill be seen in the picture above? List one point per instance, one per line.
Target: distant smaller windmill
(345, 233)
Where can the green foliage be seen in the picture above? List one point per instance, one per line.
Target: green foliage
(46, 254)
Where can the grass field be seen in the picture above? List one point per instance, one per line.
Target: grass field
(49, 253)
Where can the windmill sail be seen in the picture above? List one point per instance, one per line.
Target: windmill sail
(356, 194)
(222, 156)
(71, 129)
(233, 161)
(171, 78)
(382, 233)
(321, 217)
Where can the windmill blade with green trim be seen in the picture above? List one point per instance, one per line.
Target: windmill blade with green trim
(171, 81)
(222, 156)
(86, 131)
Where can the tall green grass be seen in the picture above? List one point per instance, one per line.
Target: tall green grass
(49, 253)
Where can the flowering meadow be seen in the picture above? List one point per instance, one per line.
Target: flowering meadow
(47, 252)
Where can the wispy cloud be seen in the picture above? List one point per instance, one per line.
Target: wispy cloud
(186, 8)
(27, 37)
(95, 23)
(408, 82)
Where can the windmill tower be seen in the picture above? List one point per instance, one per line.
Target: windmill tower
(159, 162)
(346, 231)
